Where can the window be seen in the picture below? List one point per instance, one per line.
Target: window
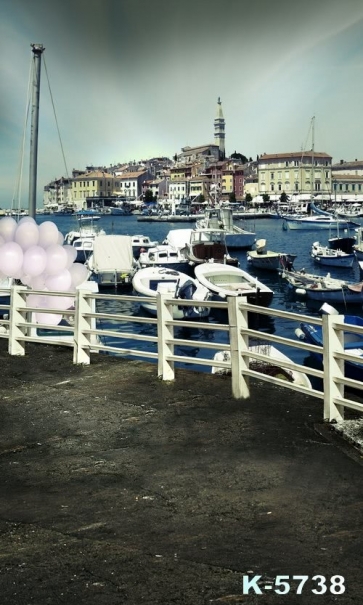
(286, 163)
(346, 187)
(287, 174)
(272, 175)
(296, 186)
(296, 163)
(353, 187)
(272, 187)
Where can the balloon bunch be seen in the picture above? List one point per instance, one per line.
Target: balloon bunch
(35, 255)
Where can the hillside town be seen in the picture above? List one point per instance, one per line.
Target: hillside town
(205, 175)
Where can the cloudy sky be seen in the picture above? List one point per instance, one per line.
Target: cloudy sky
(133, 79)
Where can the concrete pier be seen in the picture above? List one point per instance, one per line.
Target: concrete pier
(117, 488)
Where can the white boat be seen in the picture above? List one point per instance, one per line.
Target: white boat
(150, 281)
(324, 288)
(165, 255)
(236, 238)
(82, 239)
(141, 243)
(208, 246)
(273, 366)
(225, 280)
(269, 260)
(112, 262)
(316, 222)
(329, 257)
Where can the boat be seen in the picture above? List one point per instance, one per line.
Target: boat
(324, 288)
(273, 366)
(317, 222)
(165, 255)
(260, 258)
(82, 239)
(236, 238)
(353, 343)
(225, 280)
(208, 245)
(345, 243)
(141, 243)
(323, 255)
(358, 247)
(150, 281)
(111, 262)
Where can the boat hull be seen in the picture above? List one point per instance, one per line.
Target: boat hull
(240, 241)
(306, 224)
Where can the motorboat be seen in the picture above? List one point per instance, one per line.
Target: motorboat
(140, 243)
(111, 262)
(165, 255)
(323, 255)
(150, 281)
(208, 246)
(273, 365)
(260, 258)
(82, 239)
(317, 222)
(236, 238)
(353, 343)
(226, 280)
(324, 288)
(345, 243)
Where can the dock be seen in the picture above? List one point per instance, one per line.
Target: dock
(119, 488)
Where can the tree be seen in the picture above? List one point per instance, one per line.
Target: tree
(266, 197)
(284, 198)
(148, 196)
(239, 156)
(201, 199)
(232, 198)
(248, 198)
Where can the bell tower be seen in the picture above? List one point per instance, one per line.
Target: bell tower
(219, 133)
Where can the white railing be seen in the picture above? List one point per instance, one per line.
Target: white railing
(85, 337)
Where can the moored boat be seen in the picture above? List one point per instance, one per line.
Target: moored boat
(324, 288)
(269, 260)
(323, 255)
(225, 280)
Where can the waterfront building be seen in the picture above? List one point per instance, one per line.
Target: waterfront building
(295, 173)
(129, 184)
(178, 189)
(94, 184)
(158, 187)
(58, 194)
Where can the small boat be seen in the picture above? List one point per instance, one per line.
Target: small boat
(225, 280)
(324, 288)
(208, 246)
(141, 243)
(111, 262)
(330, 257)
(266, 259)
(165, 255)
(274, 366)
(149, 281)
(353, 343)
(344, 243)
(317, 222)
(358, 247)
(82, 239)
(360, 265)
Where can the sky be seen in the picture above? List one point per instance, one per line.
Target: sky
(136, 79)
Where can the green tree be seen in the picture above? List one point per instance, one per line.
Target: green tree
(201, 199)
(266, 198)
(148, 196)
(284, 198)
(232, 198)
(239, 156)
(248, 198)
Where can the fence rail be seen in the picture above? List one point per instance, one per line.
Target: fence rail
(84, 333)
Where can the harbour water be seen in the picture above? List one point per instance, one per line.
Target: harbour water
(294, 242)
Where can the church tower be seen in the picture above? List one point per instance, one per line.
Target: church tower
(219, 134)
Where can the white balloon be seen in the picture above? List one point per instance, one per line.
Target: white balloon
(38, 282)
(48, 234)
(35, 260)
(60, 238)
(61, 302)
(8, 226)
(56, 259)
(60, 282)
(26, 279)
(26, 219)
(27, 234)
(71, 253)
(11, 258)
(79, 274)
(51, 319)
(2, 240)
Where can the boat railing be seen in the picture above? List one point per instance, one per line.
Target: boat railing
(86, 332)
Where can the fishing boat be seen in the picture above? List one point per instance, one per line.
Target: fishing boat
(324, 288)
(111, 262)
(208, 246)
(150, 281)
(140, 243)
(345, 243)
(323, 255)
(165, 255)
(353, 343)
(82, 239)
(273, 365)
(225, 280)
(260, 258)
(236, 238)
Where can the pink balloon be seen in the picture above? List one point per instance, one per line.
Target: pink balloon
(56, 259)
(60, 238)
(27, 219)
(48, 234)
(37, 300)
(11, 258)
(26, 280)
(61, 302)
(8, 226)
(79, 274)
(38, 282)
(27, 234)
(60, 282)
(71, 253)
(35, 261)
(2, 241)
(51, 319)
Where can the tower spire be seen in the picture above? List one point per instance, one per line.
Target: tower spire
(219, 132)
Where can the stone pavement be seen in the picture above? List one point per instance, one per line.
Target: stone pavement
(117, 488)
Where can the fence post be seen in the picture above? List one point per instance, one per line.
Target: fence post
(238, 319)
(82, 341)
(16, 332)
(165, 332)
(333, 340)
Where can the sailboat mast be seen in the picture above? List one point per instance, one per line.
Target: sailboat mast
(312, 156)
(37, 50)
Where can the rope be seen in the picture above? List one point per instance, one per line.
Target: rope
(55, 116)
(18, 184)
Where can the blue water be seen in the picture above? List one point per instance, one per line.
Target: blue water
(294, 242)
